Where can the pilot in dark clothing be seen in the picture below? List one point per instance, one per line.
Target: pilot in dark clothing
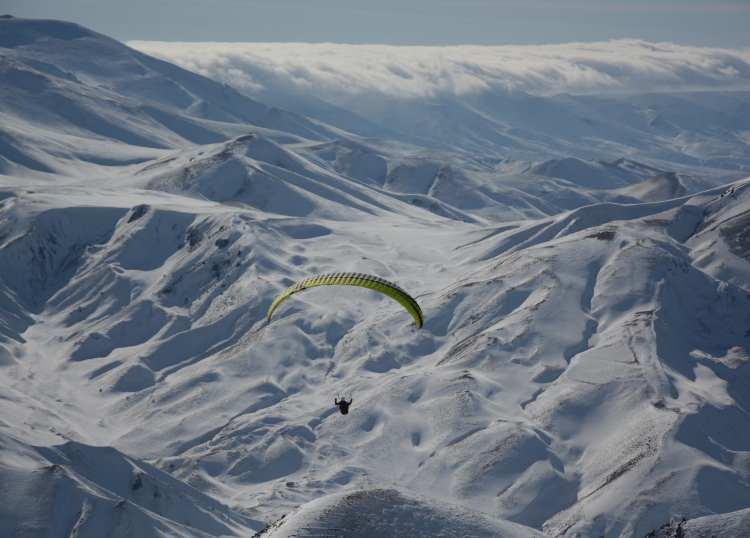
(343, 405)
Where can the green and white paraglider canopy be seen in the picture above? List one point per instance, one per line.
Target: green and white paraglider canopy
(353, 279)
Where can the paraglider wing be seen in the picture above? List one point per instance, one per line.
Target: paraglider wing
(353, 279)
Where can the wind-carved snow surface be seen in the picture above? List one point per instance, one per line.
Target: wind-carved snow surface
(582, 371)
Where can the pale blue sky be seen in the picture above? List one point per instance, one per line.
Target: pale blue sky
(694, 22)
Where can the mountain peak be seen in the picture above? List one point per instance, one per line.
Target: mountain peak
(17, 32)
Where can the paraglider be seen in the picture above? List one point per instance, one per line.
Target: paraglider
(343, 405)
(353, 279)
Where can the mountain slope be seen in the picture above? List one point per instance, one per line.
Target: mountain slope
(519, 397)
(384, 513)
(84, 491)
(74, 84)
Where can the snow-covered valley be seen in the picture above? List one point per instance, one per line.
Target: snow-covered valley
(583, 366)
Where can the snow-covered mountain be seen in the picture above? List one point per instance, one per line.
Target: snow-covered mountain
(92, 100)
(674, 105)
(582, 371)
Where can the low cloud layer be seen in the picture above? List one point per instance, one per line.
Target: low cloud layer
(336, 72)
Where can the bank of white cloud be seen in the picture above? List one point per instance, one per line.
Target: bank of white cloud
(341, 71)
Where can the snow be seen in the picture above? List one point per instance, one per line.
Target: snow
(582, 370)
(383, 513)
(70, 495)
(597, 175)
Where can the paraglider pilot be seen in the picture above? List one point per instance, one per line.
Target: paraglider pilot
(343, 405)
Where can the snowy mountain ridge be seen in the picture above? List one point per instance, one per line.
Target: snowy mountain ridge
(582, 370)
